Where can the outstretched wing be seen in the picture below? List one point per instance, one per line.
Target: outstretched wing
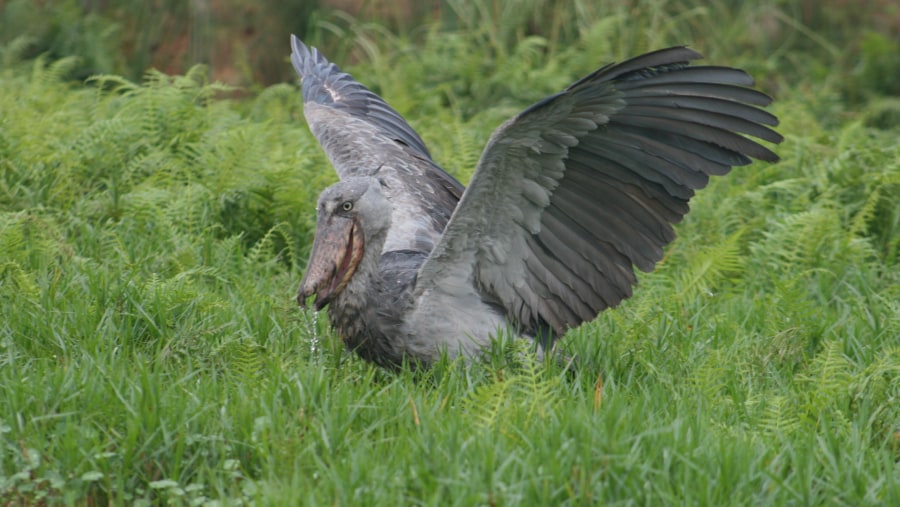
(576, 190)
(363, 136)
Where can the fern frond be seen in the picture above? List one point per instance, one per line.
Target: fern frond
(245, 358)
(865, 214)
(31, 242)
(779, 416)
(518, 397)
(113, 83)
(20, 281)
(146, 207)
(14, 51)
(467, 149)
(828, 381)
(266, 247)
(51, 74)
(487, 402)
(538, 388)
(807, 239)
(111, 248)
(709, 378)
(829, 371)
(708, 267)
(278, 102)
(879, 386)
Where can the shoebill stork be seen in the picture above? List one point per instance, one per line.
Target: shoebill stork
(568, 196)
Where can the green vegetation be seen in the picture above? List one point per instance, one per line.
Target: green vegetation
(152, 235)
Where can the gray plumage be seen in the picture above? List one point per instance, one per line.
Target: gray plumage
(567, 197)
(364, 136)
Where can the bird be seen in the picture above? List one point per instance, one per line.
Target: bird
(567, 198)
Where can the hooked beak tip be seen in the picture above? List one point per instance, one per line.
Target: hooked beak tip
(303, 293)
(319, 302)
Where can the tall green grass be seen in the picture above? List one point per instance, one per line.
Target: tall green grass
(152, 235)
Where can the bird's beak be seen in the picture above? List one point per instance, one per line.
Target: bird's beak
(336, 253)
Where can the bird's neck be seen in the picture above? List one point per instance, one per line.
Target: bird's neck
(369, 313)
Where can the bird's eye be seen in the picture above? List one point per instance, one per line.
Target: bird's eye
(346, 205)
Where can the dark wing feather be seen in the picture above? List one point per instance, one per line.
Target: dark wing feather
(363, 136)
(576, 190)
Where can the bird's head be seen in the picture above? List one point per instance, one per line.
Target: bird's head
(351, 214)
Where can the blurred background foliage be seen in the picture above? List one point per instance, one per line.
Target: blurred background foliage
(244, 42)
(455, 68)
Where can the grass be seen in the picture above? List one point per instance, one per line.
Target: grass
(152, 236)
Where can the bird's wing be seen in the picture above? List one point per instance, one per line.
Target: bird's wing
(577, 189)
(363, 136)
(342, 113)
